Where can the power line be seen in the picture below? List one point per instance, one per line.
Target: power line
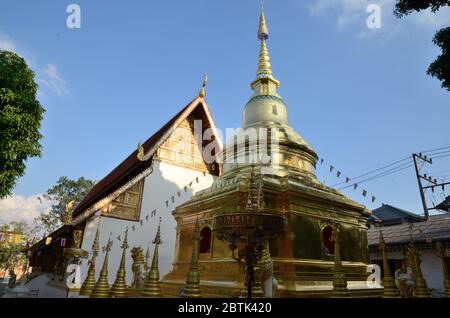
(436, 149)
(373, 171)
(380, 175)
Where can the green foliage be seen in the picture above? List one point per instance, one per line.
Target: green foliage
(64, 195)
(20, 119)
(440, 68)
(10, 250)
(405, 7)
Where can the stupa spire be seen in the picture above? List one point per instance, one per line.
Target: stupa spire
(264, 68)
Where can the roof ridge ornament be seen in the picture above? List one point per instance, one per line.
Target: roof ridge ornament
(202, 92)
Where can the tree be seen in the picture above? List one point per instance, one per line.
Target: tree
(440, 68)
(64, 195)
(13, 240)
(20, 119)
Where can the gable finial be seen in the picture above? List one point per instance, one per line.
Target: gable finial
(202, 92)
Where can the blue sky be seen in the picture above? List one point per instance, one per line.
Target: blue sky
(359, 96)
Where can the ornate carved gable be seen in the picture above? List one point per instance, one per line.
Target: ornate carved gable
(182, 148)
(127, 205)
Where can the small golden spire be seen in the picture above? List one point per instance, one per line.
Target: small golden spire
(202, 92)
(120, 288)
(101, 289)
(152, 288)
(192, 288)
(264, 68)
(389, 288)
(147, 257)
(89, 282)
(421, 288)
(339, 278)
(441, 255)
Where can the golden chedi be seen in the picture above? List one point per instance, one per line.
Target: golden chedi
(303, 258)
(120, 289)
(102, 289)
(89, 283)
(152, 288)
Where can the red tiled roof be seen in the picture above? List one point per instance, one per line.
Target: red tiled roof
(128, 169)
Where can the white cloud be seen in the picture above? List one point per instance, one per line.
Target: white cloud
(22, 208)
(436, 20)
(348, 12)
(52, 79)
(6, 43)
(49, 76)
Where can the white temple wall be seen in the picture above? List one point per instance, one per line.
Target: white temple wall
(163, 183)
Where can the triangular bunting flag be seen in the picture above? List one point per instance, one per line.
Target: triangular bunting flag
(119, 238)
(321, 160)
(373, 198)
(355, 186)
(364, 193)
(146, 217)
(185, 188)
(173, 199)
(153, 212)
(347, 179)
(133, 228)
(331, 168)
(338, 174)
(167, 203)
(179, 193)
(142, 222)
(196, 179)
(190, 183)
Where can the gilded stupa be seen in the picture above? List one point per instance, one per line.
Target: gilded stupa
(303, 258)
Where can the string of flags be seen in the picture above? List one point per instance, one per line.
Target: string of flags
(154, 211)
(347, 180)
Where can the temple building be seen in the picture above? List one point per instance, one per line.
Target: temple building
(304, 239)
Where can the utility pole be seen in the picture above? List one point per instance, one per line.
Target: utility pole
(417, 157)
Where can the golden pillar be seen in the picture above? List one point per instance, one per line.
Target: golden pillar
(192, 288)
(101, 289)
(421, 288)
(152, 289)
(441, 255)
(389, 288)
(89, 282)
(120, 288)
(339, 279)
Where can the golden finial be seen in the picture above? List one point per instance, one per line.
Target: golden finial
(339, 278)
(192, 288)
(152, 288)
(101, 289)
(140, 154)
(389, 289)
(421, 288)
(202, 92)
(89, 282)
(120, 288)
(441, 254)
(263, 31)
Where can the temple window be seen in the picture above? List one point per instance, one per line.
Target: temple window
(205, 240)
(327, 240)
